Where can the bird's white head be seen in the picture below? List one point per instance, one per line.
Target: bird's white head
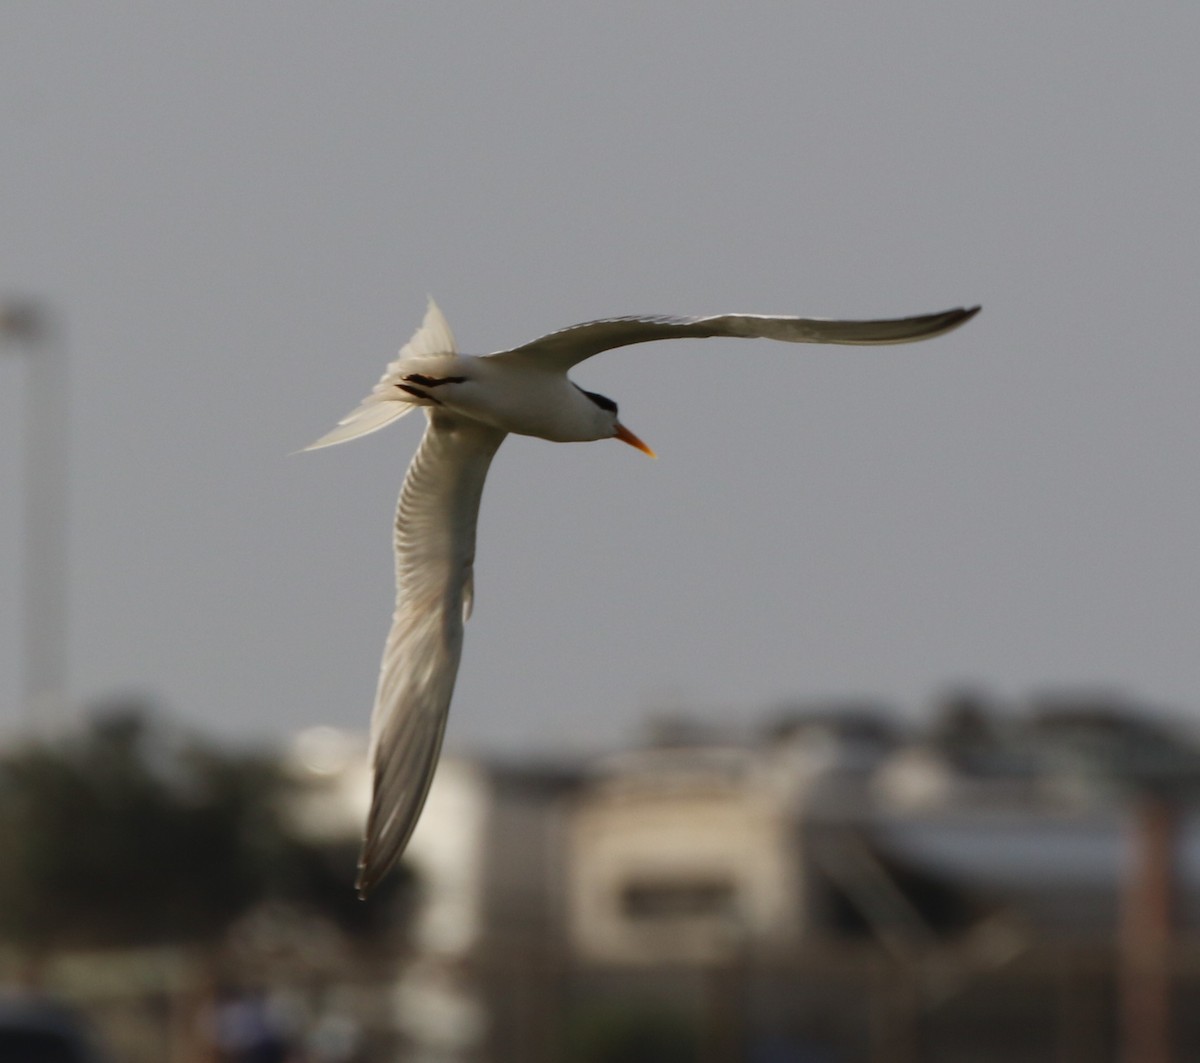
(606, 411)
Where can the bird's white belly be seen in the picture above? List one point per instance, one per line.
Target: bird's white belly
(529, 404)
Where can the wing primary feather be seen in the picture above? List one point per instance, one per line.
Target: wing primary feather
(436, 518)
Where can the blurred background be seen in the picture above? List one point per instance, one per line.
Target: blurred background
(862, 725)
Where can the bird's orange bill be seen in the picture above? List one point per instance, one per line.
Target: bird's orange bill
(626, 436)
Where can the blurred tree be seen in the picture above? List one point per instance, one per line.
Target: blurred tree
(129, 834)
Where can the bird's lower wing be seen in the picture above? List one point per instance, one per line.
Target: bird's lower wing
(435, 553)
(569, 346)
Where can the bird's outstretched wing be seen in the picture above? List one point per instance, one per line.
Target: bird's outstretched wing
(435, 553)
(569, 346)
(383, 406)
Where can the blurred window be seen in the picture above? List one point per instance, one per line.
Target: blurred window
(683, 899)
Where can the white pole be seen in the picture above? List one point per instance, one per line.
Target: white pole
(28, 327)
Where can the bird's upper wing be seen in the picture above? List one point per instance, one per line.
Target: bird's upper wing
(383, 406)
(569, 346)
(435, 552)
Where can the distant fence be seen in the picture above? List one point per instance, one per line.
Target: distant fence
(1051, 1003)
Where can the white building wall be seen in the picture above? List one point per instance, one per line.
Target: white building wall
(685, 861)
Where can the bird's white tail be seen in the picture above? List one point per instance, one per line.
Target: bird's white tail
(387, 403)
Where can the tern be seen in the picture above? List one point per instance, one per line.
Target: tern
(472, 403)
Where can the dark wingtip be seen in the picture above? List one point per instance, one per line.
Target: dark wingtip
(364, 882)
(958, 317)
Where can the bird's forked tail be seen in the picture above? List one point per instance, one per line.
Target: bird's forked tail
(387, 402)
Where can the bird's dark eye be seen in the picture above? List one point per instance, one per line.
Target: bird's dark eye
(603, 401)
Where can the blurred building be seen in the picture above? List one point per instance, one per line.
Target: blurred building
(979, 872)
(692, 849)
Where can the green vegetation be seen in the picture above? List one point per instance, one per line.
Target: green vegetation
(129, 834)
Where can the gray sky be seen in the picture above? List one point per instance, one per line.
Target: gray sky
(240, 208)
